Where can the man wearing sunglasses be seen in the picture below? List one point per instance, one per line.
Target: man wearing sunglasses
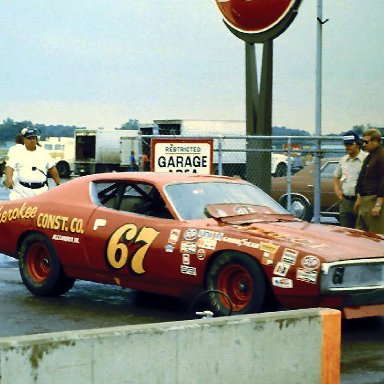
(370, 185)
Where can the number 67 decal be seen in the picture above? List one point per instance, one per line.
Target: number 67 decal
(118, 247)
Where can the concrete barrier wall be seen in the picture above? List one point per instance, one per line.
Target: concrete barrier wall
(300, 346)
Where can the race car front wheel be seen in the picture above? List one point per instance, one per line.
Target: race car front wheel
(241, 279)
(40, 267)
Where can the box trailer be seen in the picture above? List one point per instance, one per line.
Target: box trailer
(99, 150)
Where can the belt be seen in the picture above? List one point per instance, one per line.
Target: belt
(32, 185)
(369, 193)
(352, 198)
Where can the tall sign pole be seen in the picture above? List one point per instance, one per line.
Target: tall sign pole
(319, 61)
(258, 22)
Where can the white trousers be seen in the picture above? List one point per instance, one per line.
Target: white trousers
(21, 192)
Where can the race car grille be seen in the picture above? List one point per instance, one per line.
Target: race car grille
(353, 275)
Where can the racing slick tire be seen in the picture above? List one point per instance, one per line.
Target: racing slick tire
(241, 279)
(40, 267)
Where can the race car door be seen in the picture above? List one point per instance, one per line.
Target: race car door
(130, 238)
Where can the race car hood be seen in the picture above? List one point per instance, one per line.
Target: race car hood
(330, 242)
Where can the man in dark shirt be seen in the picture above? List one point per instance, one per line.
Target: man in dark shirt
(370, 185)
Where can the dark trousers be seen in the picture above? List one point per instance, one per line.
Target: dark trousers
(347, 214)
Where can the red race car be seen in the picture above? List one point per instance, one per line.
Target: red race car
(185, 235)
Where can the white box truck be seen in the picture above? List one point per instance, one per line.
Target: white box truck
(99, 150)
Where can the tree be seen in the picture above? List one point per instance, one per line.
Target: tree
(132, 124)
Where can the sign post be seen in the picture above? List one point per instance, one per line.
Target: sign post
(258, 21)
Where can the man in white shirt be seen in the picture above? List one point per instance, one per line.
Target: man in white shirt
(31, 163)
(345, 178)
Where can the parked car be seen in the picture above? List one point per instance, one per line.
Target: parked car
(190, 235)
(302, 191)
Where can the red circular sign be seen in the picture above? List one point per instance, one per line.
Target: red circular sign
(254, 15)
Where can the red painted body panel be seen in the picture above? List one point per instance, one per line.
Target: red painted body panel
(171, 256)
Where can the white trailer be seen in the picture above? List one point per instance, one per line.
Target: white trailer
(99, 150)
(232, 149)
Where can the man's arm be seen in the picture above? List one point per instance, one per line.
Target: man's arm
(8, 171)
(337, 188)
(55, 175)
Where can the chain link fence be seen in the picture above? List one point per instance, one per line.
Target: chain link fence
(283, 166)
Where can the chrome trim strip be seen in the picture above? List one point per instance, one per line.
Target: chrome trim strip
(326, 266)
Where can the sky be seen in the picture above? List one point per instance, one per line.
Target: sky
(99, 63)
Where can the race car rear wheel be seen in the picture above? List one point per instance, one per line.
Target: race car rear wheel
(40, 268)
(241, 279)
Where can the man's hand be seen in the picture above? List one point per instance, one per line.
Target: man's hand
(8, 183)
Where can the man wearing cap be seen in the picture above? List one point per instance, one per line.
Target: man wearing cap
(345, 178)
(370, 185)
(31, 164)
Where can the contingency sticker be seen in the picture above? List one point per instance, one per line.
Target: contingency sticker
(269, 252)
(174, 236)
(281, 269)
(310, 262)
(306, 275)
(289, 256)
(282, 282)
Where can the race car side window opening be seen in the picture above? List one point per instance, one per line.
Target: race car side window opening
(138, 198)
(190, 199)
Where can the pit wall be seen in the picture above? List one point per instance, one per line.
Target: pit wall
(301, 346)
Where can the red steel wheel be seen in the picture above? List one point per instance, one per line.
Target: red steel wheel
(236, 281)
(40, 267)
(240, 278)
(38, 262)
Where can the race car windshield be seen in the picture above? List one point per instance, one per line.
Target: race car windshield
(190, 199)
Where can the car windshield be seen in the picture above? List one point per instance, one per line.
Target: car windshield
(190, 199)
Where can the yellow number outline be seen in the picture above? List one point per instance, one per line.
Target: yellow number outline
(117, 254)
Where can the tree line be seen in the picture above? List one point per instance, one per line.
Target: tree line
(10, 128)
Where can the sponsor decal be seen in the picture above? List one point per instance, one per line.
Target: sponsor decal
(169, 248)
(240, 242)
(206, 243)
(59, 223)
(190, 234)
(289, 256)
(188, 247)
(243, 210)
(310, 262)
(19, 213)
(281, 269)
(128, 247)
(67, 239)
(282, 282)
(306, 275)
(210, 234)
(201, 254)
(186, 270)
(174, 236)
(186, 259)
(269, 252)
(269, 247)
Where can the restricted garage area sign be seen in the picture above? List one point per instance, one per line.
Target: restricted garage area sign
(182, 155)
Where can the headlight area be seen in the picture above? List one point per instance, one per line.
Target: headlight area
(353, 276)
